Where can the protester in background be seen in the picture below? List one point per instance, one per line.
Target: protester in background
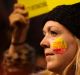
(20, 57)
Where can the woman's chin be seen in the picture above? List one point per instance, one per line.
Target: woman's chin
(53, 66)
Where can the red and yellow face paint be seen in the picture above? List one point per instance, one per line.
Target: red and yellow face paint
(58, 45)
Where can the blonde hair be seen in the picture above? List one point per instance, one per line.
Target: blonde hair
(78, 60)
(75, 62)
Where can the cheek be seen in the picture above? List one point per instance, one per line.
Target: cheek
(58, 45)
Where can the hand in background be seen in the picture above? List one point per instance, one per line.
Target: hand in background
(19, 21)
(19, 15)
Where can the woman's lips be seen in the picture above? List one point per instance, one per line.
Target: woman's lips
(55, 51)
(48, 54)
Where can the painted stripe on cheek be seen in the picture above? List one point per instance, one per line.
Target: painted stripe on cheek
(58, 46)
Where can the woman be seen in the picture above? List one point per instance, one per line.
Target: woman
(61, 40)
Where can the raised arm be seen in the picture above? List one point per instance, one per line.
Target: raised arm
(19, 58)
(20, 23)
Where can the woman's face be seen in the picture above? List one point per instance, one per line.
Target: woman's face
(59, 46)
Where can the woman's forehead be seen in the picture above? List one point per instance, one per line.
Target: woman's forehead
(52, 24)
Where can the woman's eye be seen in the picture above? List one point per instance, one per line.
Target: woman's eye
(53, 33)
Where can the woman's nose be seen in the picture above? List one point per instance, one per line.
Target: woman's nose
(44, 43)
